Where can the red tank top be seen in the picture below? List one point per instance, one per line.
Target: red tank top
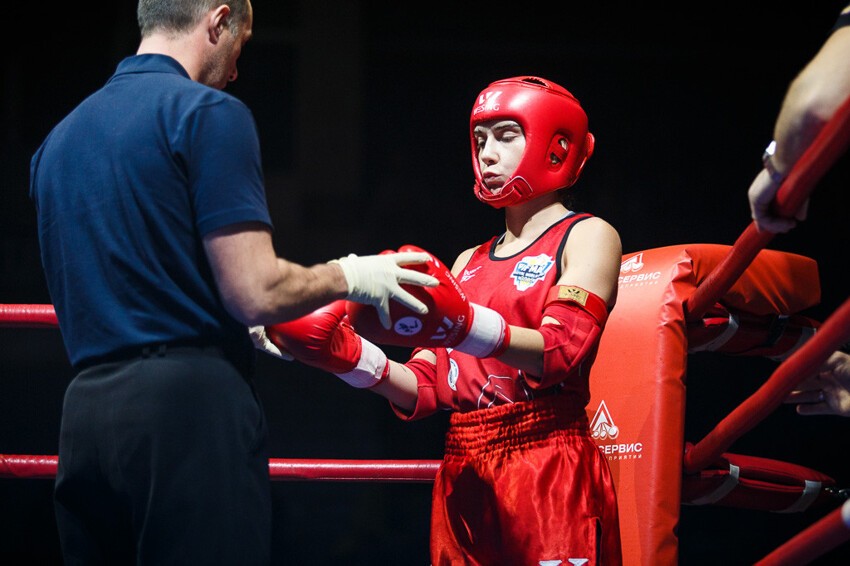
(516, 287)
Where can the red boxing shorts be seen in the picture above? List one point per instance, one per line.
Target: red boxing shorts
(524, 484)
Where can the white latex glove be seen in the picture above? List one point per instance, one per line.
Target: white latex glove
(262, 343)
(375, 279)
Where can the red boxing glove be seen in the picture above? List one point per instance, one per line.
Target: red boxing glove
(451, 322)
(324, 339)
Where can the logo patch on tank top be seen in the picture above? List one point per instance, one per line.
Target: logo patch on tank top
(529, 270)
(469, 273)
(451, 378)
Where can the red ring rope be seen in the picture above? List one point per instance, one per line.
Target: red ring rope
(813, 542)
(28, 316)
(280, 469)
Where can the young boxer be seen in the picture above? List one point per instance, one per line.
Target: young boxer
(507, 346)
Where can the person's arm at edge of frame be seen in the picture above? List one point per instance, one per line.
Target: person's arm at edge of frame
(811, 100)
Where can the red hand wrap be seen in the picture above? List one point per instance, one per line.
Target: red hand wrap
(452, 321)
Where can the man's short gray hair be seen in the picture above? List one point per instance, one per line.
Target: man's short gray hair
(178, 16)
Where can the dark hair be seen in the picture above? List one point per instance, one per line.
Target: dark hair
(567, 197)
(181, 15)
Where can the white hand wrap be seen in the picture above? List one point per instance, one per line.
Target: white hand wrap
(262, 343)
(488, 334)
(371, 368)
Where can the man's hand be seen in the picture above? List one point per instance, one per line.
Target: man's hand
(375, 279)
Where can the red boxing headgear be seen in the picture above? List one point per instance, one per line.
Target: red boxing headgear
(547, 113)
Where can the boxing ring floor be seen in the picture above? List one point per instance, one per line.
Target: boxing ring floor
(361, 520)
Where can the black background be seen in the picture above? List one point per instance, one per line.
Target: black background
(681, 99)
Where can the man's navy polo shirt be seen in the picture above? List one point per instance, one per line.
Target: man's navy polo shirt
(125, 188)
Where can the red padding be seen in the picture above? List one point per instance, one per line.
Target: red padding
(750, 482)
(745, 334)
(803, 363)
(637, 382)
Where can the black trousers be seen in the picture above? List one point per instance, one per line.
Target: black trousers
(163, 460)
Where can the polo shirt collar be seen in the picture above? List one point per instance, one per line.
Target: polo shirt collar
(151, 63)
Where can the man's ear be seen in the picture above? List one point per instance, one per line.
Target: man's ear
(218, 20)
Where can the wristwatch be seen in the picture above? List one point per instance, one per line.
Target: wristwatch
(767, 160)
